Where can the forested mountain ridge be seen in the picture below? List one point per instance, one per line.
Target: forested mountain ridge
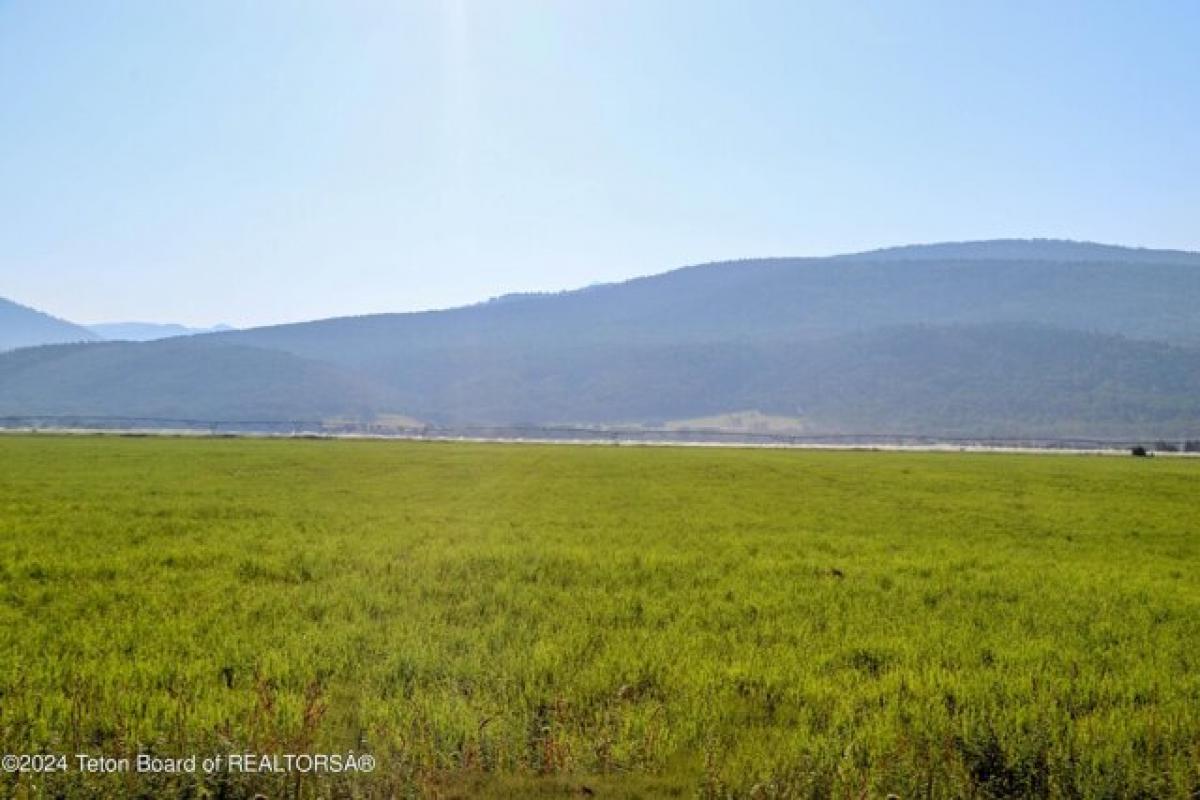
(982, 338)
(789, 299)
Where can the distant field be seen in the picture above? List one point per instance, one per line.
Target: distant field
(551, 620)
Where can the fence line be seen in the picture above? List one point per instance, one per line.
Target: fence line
(559, 433)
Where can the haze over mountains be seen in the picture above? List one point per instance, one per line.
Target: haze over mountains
(21, 326)
(1013, 337)
(147, 331)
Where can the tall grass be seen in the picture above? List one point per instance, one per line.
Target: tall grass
(642, 622)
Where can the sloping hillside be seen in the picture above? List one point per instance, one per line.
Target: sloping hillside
(21, 326)
(791, 300)
(1029, 250)
(995, 379)
(172, 379)
(1072, 339)
(962, 380)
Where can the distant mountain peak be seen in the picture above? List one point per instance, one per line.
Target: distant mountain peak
(149, 331)
(22, 326)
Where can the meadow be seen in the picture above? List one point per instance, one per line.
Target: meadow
(557, 621)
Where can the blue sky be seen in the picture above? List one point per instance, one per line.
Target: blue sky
(260, 162)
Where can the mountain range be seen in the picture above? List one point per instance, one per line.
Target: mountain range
(21, 326)
(996, 338)
(147, 331)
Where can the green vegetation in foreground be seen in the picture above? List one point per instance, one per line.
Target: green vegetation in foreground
(534, 620)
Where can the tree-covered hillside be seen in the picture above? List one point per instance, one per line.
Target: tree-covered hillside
(992, 338)
(171, 379)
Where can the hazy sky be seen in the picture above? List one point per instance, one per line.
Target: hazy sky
(253, 162)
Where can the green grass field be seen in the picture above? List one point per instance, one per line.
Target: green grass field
(491, 620)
